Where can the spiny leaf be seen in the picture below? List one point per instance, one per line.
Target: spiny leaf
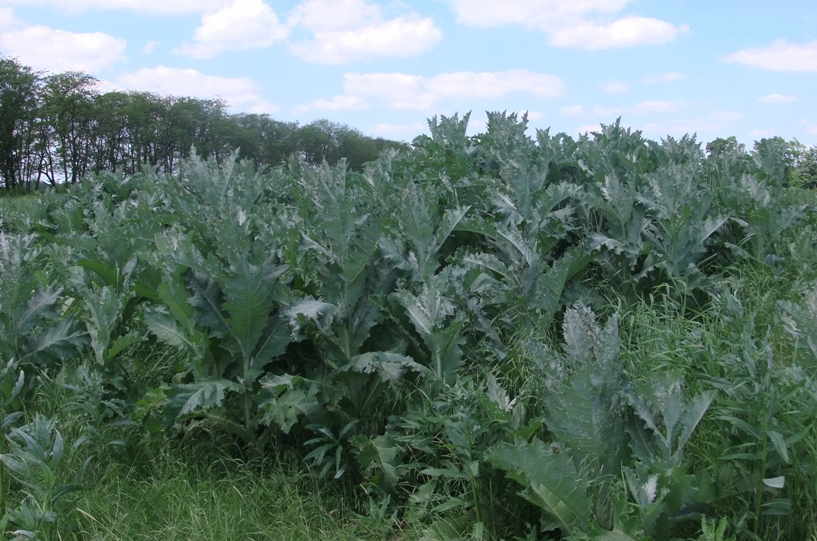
(286, 398)
(199, 396)
(122, 342)
(389, 366)
(314, 310)
(37, 309)
(168, 330)
(248, 292)
(587, 415)
(551, 480)
(174, 295)
(272, 343)
(56, 341)
(108, 273)
(208, 299)
(380, 455)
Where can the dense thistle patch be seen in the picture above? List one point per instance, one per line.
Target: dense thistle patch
(450, 314)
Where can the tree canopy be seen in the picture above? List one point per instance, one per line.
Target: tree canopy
(59, 128)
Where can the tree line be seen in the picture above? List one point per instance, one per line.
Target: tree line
(798, 165)
(57, 128)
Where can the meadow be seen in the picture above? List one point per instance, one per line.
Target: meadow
(499, 336)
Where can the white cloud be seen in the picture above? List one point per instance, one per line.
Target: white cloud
(712, 124)
(149, 47)
(760, 133)
(779, 56)
(341, 103)
(405, 131)
(642, 108)
(155, 6)
(669, 77)
(583, 24)
(333, 15)
(614, 87)
(403, 91)
(240, 93)
(680, 128)
(7, 18)
(541, 14)
(625, 32)
(572, 110)
(726, 115)
(45, 48)
(348, 30)
(477, 125)
(609, 111)
(588, 128)
(657, 106)
(777, 98)
(338, 103)
(243, 24)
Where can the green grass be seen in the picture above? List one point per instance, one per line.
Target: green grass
(179, 493)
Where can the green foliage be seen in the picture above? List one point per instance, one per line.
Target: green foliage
(593, 410)
(59, 128)
(221, 307)
(805, 172)
(35, 459)
(728, 145)
(800, 320)
(551, 482)
(31, 329)
(19, 89)
(455, 321)
(766, 408)
(430, 312)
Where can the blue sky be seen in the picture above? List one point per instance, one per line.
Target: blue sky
(718, 68)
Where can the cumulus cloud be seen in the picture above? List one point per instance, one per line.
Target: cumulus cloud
(240, 93)
(328, 15)
(542, 14)
(337, 31)
(584, 24)
(7, 18)
(154, 6)
(759, 133)
(777, 98)
(713, 124)
(572, 110)
(588, 128)
(242, 24)
(348, 30)
(726, 115)
(625, 32)
(609, 111)
(338, 103)
(669, 77)
(643, 108)
(403, 91)
(614, 87)
(657, 106)
(404, 131)
(683, 127)
(779, 56)
(45, 48)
